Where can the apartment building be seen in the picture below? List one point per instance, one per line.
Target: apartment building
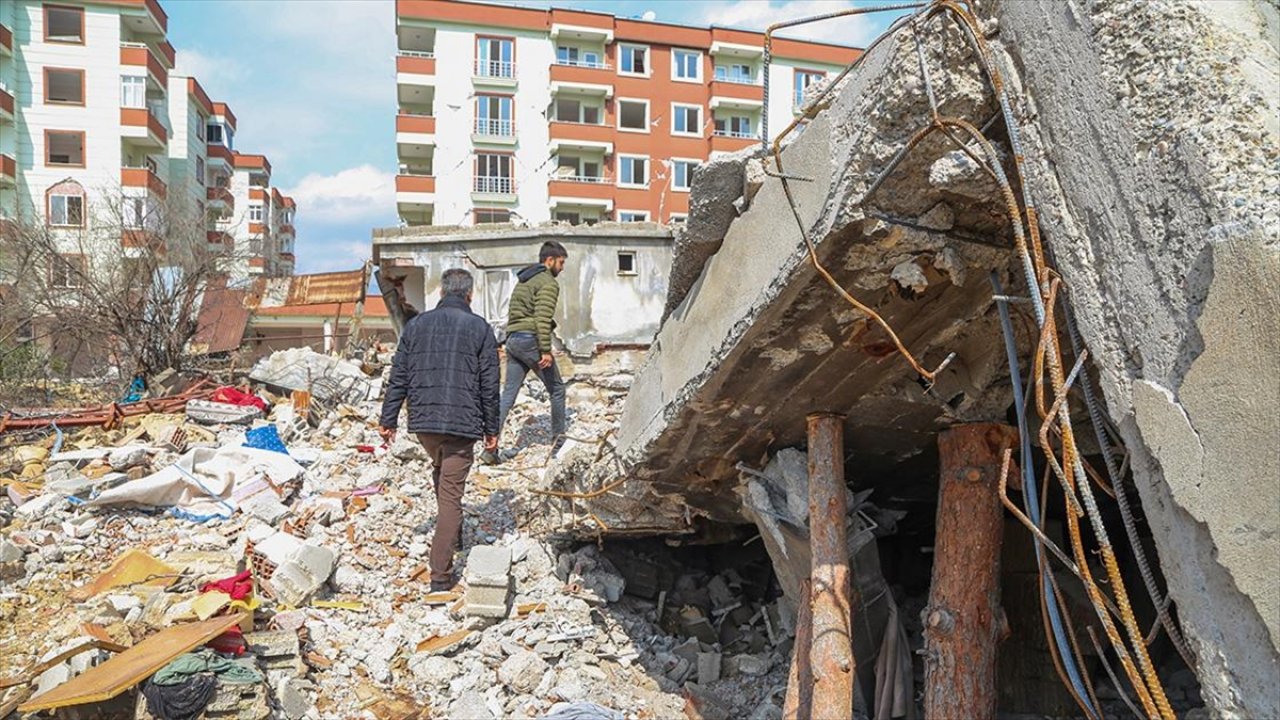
(519, 114)
(91, 111)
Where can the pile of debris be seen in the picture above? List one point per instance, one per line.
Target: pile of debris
(257, 551)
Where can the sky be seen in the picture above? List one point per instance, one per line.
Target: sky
(312, 84)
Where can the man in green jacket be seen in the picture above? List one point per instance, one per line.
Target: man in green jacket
(530, 320)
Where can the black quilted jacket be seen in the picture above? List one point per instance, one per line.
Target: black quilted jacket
(447, 368)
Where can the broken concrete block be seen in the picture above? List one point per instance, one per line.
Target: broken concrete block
(272, 643)
(10, 552)
(294, 698)
(329, 379)
(748, 665)
(471, 705)
(522, 671)
(708, 667)
(301, 568)
(38, 507)
(488, 579)
(265, 506)
(215, 413)
(123, 458)
(694, 623)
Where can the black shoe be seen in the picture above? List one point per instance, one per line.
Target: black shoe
(489, 457)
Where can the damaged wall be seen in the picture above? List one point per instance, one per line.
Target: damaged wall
(1152, 143)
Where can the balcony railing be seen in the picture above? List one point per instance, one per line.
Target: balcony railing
(494, 185)
(738, 79)
(499, 128)
(596, 179)
(419, 113)
(597, 65)
(495, 69)
(416, 53)
(406, 170)
(746, 135)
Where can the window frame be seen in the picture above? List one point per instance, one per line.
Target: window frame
(262, 211)
(130, 219)
(500, 38)
(675, 65)
(634, 271)
(48, 209)
(45, 8)
(751, 73)
(66, 103)
(648, 59)
(134, 78)
(797, 96)
(677, 218)
(487, 97)
(675, 108)
(648, 115)
(475, 215)
(202, 128)
(201, 168)
(643, 213)
(510, 176)
(66, 259)
(621, 161)
(693, 164)
(84, 148)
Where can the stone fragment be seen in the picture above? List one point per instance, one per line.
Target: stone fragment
(216, 413)
(471, 705)
(294, 699)
(708, 667)
(433, 671)
(522, 671)
(488, 579)
(909, 276)
(10, 552)
(122, 459)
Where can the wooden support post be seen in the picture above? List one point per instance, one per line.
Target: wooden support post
(963, 623)
(831, 656)
(799, 702)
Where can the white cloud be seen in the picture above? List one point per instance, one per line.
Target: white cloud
(858, 30)
(353, 195)
(210, 70)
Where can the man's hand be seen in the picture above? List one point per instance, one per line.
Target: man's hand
(546, 361)
(388, 434)
(491, 443)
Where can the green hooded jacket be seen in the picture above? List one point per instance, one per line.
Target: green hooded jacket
(533, 305)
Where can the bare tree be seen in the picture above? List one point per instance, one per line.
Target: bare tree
(116, 287)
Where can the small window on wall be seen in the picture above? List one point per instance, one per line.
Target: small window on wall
(213, 132)
(627, 262)
(67, 271)
(633, 171)
(255, 213)
(64, 148)
(200, 170)
(682, 174)
(686, 119)
(633, 59)
(63, 24)
(63, 87)
(632, 216)
(633, 115)
(490, 216)
(687, 65)
(134, 212)
(66, 210)
(201, 125)
(133, 91)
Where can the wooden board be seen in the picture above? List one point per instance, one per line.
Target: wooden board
(133, 665)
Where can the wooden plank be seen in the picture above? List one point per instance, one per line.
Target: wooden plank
(133, 665)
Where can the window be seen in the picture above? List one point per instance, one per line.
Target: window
(575, 111)
(67, 271)
(633, 170)
(495, 57)
(632, 216)
(572, 218)
(682, 174)
(64, 148)
(678, 219)
(493, 173)
(133, 91)
(200, 170)
(686, 119)
(63, 86)
(633, 115)
(804, 79)
(687, 65)
(738, 126)
(213, 133)
(488, 216)
(63, 24)
(201, 123)
(66, 210)
(494, 115)
(627, 259)
(566, 55)
(735, 74)
(633, 59)
(255, 213)
(259, 179)
(133, 212)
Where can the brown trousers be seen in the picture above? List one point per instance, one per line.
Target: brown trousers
(451, 457)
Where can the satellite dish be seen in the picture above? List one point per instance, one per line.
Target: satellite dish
(649, 15)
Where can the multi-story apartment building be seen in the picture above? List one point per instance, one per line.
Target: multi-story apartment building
(553, 114)
(91, 112)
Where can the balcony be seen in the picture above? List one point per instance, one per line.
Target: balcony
(581, 78)
(415, 123)
(6, 41)
(257, 229)
(415, 188)
(219, 199)
(493, 189)
(219, 155)
(8, 171)
(491, 131)
(134, 54)
(578, 29)
(581, 190)
(6, 106)
(146, 17)
(167, 52)
(734, 95)
(494, 72)
(731, 141)
(221, 238)
(141, 239)
(285, 231)
(580, 136)
(141, 127)
(415, 70)
(146, 178)
(415, 135)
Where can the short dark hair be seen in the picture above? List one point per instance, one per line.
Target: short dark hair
(551, 249)
(456, 281)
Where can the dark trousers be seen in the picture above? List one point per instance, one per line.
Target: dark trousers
(523, 356)
(451, 457)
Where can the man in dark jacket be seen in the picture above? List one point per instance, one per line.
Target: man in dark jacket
(447, 367)
(530, 320)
